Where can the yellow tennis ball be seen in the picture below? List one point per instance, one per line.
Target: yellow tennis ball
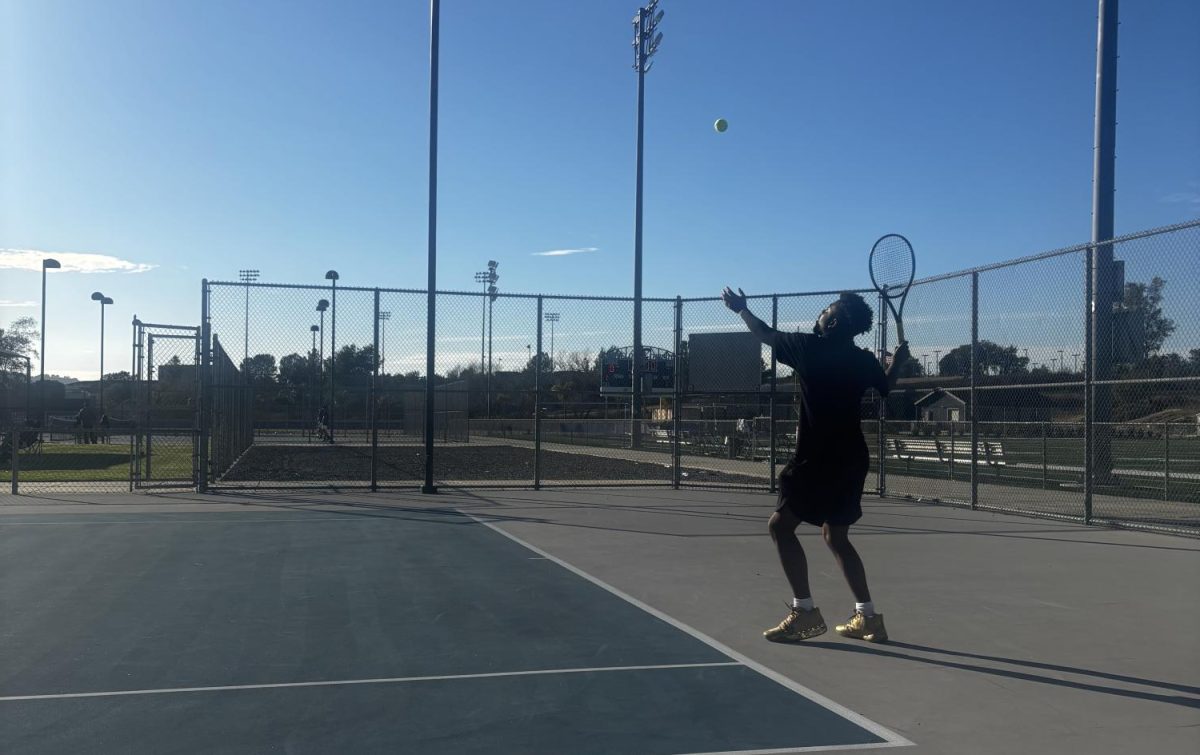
(721, 125)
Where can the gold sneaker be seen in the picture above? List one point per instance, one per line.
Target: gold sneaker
(799, 625)
(860, 627)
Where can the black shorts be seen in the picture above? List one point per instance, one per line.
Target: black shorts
(822, 493)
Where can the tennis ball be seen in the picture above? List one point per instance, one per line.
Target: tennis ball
(721, 125)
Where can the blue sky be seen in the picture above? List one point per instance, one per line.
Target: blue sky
(190, 139)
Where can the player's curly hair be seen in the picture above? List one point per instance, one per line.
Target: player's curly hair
(860, 312)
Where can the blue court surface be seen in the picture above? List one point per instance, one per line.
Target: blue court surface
(361, 629)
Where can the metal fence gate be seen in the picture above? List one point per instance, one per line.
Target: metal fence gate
(164, 449)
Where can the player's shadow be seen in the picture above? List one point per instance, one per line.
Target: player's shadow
(888, 651)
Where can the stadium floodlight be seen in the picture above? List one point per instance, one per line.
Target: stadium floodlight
(247, 277)
(384, 316)
(551, 317)
(645, 45)
(483, 277)
(492, 292)
(104, 301)
(332, 276)
(47, 264)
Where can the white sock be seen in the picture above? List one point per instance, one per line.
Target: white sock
(866, 609)
(802, 604)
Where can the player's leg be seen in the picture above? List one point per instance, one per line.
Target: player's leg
(865, 624)
(804, 621)
(782, 525)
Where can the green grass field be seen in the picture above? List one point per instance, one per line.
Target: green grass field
(102, 462)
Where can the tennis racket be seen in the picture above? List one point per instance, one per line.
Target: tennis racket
(893, 266)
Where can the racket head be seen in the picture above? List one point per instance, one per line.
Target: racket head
(893, 265)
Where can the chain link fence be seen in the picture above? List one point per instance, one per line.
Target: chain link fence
(1021, 395)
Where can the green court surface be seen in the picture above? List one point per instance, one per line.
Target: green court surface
(100, 462)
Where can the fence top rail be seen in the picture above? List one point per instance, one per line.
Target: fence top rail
(1059, 252)
(589, 297)
(157, 326)
(180, 336)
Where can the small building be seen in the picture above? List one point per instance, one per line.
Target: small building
(940, 406)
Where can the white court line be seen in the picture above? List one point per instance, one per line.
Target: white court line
(812, 748)
(314, 518)
(892, 739)
(348, 682)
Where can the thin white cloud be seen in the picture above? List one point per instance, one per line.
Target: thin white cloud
(565, 252)
(1189, 198)
(11, 303)
(72, 262)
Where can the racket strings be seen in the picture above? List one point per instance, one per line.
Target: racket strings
(892, 265)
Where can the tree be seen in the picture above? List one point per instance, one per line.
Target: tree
(353, 361)
(1147, 297)
(297, 371)
(992, 359)
(19, 336)
(259, 369)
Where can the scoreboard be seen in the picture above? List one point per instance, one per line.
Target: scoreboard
(616, 371)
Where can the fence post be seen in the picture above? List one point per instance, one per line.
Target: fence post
(677, 399)
(974, 376)
(537, 403)
(374, 419)
(1089, 365)
(881, 308)
(149, 430)
(1166, 458)
(205, 389)
(15, 450)
(1045, 460)
(952, 424)
(774, 387)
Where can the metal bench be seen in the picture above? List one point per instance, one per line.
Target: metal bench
(908, 450)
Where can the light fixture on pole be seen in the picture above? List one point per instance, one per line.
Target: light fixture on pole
(384, 316)
(322, 305)
(483, 277)
(247, 277)
(492, 293)
(332, 277)
(104, 301)
(551, 317)
(47, 264)
(646, 41)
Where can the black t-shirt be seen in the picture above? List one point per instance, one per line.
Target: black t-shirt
(832, 378)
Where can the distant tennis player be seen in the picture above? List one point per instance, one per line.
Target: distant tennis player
(823, 483)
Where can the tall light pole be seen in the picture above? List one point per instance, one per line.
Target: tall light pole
(384, 316)
(312, 376)
(937, 361)
(322, 305)
(247, 277)
(435, 16)
(492, 293)
(1062, 363)
(47, 264)
(332, 277)
(925, 364)
(483, 277)
(104, 301)
(1076, 368)
(552, 317)
(645, 45)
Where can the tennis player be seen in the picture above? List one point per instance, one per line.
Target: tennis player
(823, 483)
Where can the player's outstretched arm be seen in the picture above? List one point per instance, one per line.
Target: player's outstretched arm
(736, 302)
(899, 357)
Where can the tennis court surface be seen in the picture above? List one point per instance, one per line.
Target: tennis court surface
(619, 621)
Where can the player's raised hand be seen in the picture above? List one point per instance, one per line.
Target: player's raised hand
(735, 302)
